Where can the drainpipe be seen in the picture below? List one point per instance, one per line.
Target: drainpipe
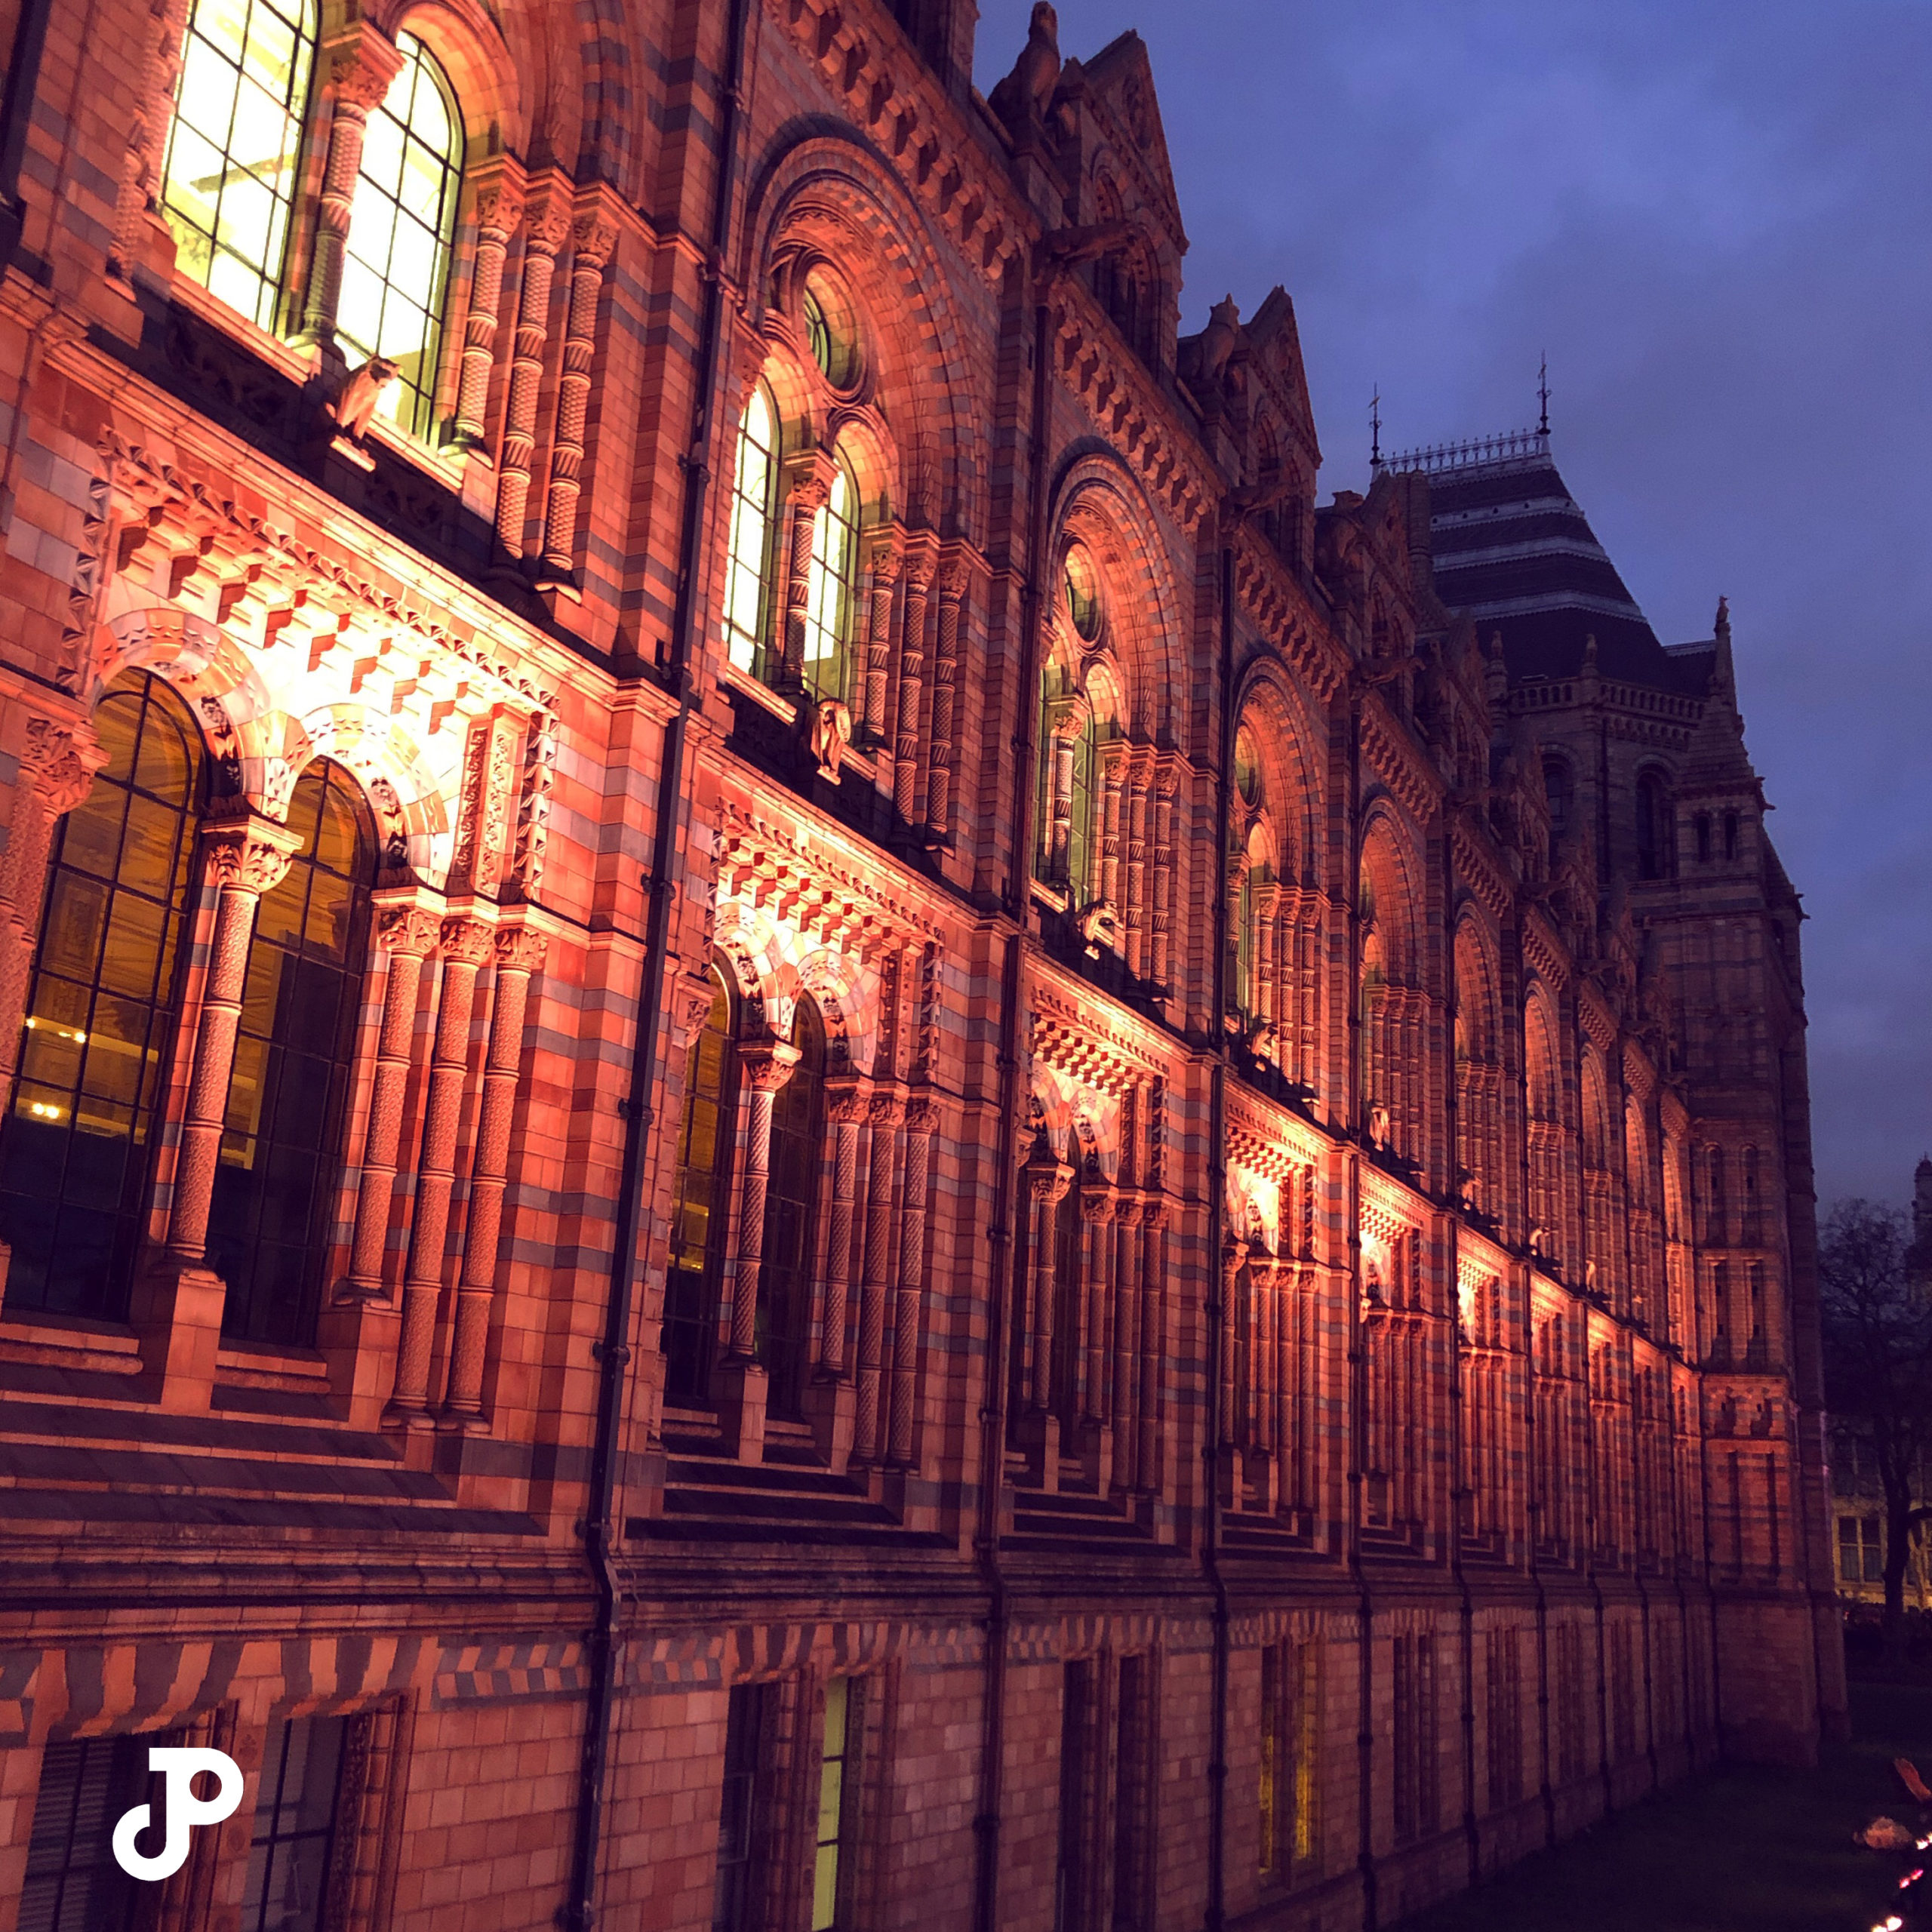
(578, 1912)
(1217, 1188)
(1010, 1257)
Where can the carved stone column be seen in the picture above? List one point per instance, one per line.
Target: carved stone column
(885, 553)
(164, 31)
(1067, 722)
(908, 1326)
(499, 206)
(946, 661)
(807, 486)
(519, 951)
(884, 1113)
(847, 1110)
(1153, 1344)
(179, 1299)
(467, 944)
(1140, 772)
(358, 66)
(58, 762)
(919, 567)
(1233, 1257)
(547, 226)
(1126, 1342)
(409, 933)
(593, 236)
(1096, 1205)
(1167, 783)
(1267, 900)
(1113, 778)
(1047, 1180)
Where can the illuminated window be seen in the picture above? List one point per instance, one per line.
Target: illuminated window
(831, 332)
(1248, 768)
(700, 1205)
(1290, 1733)
(275, 1184)
(791, 1215)
(229, 186)
(400, 224)
(754, 500)
(834, 1808)
(1082, 595)
(77, 1141)
(831, 596)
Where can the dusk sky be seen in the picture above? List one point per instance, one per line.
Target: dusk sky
(1714, 218)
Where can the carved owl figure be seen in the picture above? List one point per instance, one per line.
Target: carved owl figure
(361, 394)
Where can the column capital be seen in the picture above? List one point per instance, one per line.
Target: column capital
(358, 64)
(846, 1103)
(1048, 1179)
(1153, 1210)
(415, 930)
(767, 1064)
(548, 212)
(807, 478)
(921, 551)
(883, 552)
(886, 1110)
(247, 852)
(61, 757)
(500, 192)
(520, 949)
(921, 1115)
(466, 941)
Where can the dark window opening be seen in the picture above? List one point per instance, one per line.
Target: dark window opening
(739, 1824)
(1730, 835)
(72, 1883)
(791, 1216)
(1703, 830)
(1655, 838)
(291, 1861)
(700, 1206)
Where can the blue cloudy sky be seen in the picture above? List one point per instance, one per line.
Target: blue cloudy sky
(1714, 218)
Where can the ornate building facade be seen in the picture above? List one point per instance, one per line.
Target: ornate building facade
(808, 1124)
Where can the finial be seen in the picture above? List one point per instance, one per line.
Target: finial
(1724, 615)
(1543, 395)
(1590, 651)
(1375, 428)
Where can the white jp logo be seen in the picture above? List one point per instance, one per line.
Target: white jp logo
(184, 1810)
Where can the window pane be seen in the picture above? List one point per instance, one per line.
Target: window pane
(73, 1165)
(229, 176)
(296, 1810)
(747, 571)
(400, 225)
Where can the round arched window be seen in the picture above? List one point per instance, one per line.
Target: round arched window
(1248, 768)
(1082, 595)
(831, 329)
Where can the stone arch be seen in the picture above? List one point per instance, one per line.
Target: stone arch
(1388, 877)
(1477, 1005)
(1595, 1121)
(746, 947)
(1268, 705)
(403, 796)
(828, 190)
(847, 1005)
(1542, 1065)
(476, 59)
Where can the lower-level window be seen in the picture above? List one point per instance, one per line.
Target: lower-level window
(293, 1857)
(733, 1902)
(73, 1882)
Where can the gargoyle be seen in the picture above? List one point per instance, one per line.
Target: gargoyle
(1026, 92)
(351, 410)
(832, 732)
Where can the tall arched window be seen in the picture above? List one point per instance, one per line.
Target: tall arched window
(1655, 839)
(831, 591)
(76, 1146)
(699, 1204)
(228, 189)
(1557, 790)
(269, 1235)
(396, 270)
(791, 1215)
(754, 507)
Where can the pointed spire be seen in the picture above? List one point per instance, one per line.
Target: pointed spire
(1375, 428)
(1542, 395)
(1723, 672)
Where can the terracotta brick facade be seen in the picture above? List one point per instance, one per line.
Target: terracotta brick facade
(996, 1131)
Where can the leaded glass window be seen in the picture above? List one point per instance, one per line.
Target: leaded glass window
(754, 501)
(76, 1143)
(296, 1806)
(275, 1184)
(700, 1205)
(400, 225)
(228, 188)
(831, 592)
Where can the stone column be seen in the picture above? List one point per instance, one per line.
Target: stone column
(1096, 1292)
(885, 555)
(1233, 1257)
(242, 858)
(499, 206)
(519, 951)
(593, 236)
(1127, 1342)
(922, 1118)
(547, 225)
(808, 485)
(1113, 777)
(919, 564)
(358, 66)
(58, 762)
(767, 1066)
(409, 933)
(884, 1115)
(178, 1302)
(946, 661)
(847, 1110)
(163, 33)
(1167, 782)
(1068, 721)
(1047, 1181)
(467, 944)
(1267, 900)
(1139, 771)
(1153, 1343)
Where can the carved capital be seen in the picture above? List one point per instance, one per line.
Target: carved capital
(593, 235)
(951, 578)
(886, 1110)
(1099, 1201)
(410, 930)
(247, 854)
(1048, 1179)
(1070, 717)
(884, 553)
(694, 997)
(466, 941)
(922, 1116)
(1233, 1253)
(547, 214)
(359, 65)
(768, 1064)
(520, 949)
(847, 1107)
(499, 203)
(61, 760)
(1153, 1211)
(808, 476)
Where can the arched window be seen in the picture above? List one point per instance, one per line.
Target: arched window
(275, 1186)
(831, 591)
(832, 333)
(1557, 790)
(77, 1143)
(1656, 829)
(400, 225)
(791, 1215)
(699, 1203)
(1070, 753)
(228, 189)
(754, 505)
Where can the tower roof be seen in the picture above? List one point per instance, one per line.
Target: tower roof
(1513, 548)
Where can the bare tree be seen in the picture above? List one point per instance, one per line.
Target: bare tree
(1877, 1334)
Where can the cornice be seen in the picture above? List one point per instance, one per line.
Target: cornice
(1476, 866)
(1283, 613)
